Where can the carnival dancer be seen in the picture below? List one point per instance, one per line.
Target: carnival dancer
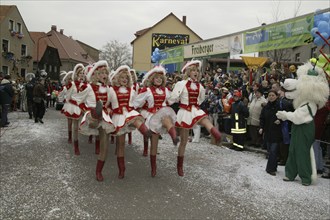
(71, 109)
(190, 93)
(124, 117)
(67, 86)
(160, 118)
(136, 88)
(96, 120)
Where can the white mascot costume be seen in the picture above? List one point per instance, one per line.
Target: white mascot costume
(309, 93)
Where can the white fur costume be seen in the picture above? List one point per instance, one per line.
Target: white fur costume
(309, 92)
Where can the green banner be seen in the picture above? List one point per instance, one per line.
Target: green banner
(293, 33)
(171, 55)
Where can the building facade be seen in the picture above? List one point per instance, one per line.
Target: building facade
(16, 43)
(168, 32)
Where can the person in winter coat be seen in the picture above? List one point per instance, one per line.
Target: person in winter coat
(270, 125)
(239, 115)
(6, 96)
(39, 96)
(31, 81)
(255, 108)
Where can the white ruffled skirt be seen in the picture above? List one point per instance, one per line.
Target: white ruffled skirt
(124, 122)
(90, 126)
(154, 121)
(188, 119)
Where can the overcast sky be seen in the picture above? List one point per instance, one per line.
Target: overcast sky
(98, 22)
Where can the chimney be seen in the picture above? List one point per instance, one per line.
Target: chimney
(54, 28)
(184, 20)
(61, 31)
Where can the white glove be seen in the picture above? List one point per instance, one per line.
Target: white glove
(260, 131)
(277, 122)
(281, 115)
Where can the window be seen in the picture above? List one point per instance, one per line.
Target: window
(5, 70)
(23, 50)
(19, 28)
(314, 52)
(297, 58)
(5, 45)
(11, 25)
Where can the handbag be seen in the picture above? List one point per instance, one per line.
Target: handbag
(37, 99)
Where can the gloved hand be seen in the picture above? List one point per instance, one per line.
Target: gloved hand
(260, 131)
(281, 115)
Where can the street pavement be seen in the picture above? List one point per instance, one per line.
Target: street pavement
(41, 178)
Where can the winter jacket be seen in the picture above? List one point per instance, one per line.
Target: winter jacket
(239, 114)
(272, 131)
(6, 92)
(255, 110)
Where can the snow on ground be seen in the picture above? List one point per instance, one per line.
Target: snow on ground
(242, 175)
(217, 173)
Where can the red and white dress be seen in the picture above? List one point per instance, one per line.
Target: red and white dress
(156, 99)
(123, 112)
(190, 95)
(86, 100)
(71, 108)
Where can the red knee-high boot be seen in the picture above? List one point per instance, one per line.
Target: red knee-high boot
(130, 138)
(180, 165)
(172, 133)
(145, 146)
(76, 147)
(121, 167)
(153, 165)
(99, 167)
(97, 146)
(70, 137)
(144, 130)
(90, 139)
(216, 134)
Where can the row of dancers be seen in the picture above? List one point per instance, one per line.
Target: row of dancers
(101, 103)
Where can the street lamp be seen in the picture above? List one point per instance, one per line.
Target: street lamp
(48, 35)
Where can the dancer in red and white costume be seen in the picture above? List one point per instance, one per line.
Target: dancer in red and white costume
(160, 118)
(136, 88)
(96, 120)
(67, 88)
(124, 116)
(71, 109)
(190, 93)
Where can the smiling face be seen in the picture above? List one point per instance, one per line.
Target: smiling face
(80, 75)
(123, 78)
(272, 96)
(158, 79)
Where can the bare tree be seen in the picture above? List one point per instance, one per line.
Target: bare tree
(281, 55)
(116, 54)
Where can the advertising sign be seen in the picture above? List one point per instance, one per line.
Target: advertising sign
(171, 55)
(218, 46)
(288, 34)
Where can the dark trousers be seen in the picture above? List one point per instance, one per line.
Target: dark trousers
(272, 157)
(30, 107)
(39, 110)
(4, 114)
